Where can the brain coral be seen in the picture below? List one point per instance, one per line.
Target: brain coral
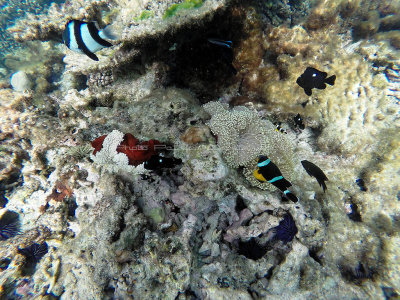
(243, 136)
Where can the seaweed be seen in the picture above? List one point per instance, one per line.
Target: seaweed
(146, 14)
(188, 4)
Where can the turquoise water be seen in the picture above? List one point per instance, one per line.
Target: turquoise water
(10, 12)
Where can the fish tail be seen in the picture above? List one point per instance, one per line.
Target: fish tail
(288, 194)
(109, 33)
(331, 80)
(322, 183)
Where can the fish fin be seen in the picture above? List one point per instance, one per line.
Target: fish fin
(308, 92)
(95, 34)
(299, 81)
(258, 176)
(321, 86)
(91, 55)
(109, 33)
(331, 80)
(322, 183)
(291, 196)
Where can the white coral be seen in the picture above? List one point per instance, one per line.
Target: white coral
(110, 159)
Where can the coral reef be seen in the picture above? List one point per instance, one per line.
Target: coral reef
(11, 10)
(82, 222)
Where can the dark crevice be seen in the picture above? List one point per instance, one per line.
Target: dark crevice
(121, 227)
(71, 206)
(251, 249)
(357, 274)
(188, 58)
(4, 262)
(81, 82)
(313, 252)
(240, 204)
(354, 213)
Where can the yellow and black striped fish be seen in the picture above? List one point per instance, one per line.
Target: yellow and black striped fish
(268, 171)
(279, 128)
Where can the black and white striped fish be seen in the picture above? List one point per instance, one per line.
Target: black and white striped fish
(268, 171)
(85, 37)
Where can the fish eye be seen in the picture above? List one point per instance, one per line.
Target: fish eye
(160, 160)
(313, 75)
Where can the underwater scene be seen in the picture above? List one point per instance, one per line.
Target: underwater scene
(200, 149)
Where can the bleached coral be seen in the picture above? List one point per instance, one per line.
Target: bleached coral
(110, 159)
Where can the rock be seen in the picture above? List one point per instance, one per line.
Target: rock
(20, 81)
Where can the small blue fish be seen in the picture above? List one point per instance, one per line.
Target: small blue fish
(219, 42)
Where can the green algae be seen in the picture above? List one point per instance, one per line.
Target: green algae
(188, 4)
(146, 14)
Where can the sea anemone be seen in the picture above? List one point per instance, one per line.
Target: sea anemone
(9, 225)
(286, 230)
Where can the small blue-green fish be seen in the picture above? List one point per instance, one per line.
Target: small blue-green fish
(219, 42)
(86, 38)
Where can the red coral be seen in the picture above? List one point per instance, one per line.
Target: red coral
(137, 152)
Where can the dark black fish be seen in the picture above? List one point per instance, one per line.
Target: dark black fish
(316, 172)
(157, 162)
(85, 37)
(312, 78)
(268, 171)
(298, 120)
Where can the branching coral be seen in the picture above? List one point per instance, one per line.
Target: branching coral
(136, 152)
